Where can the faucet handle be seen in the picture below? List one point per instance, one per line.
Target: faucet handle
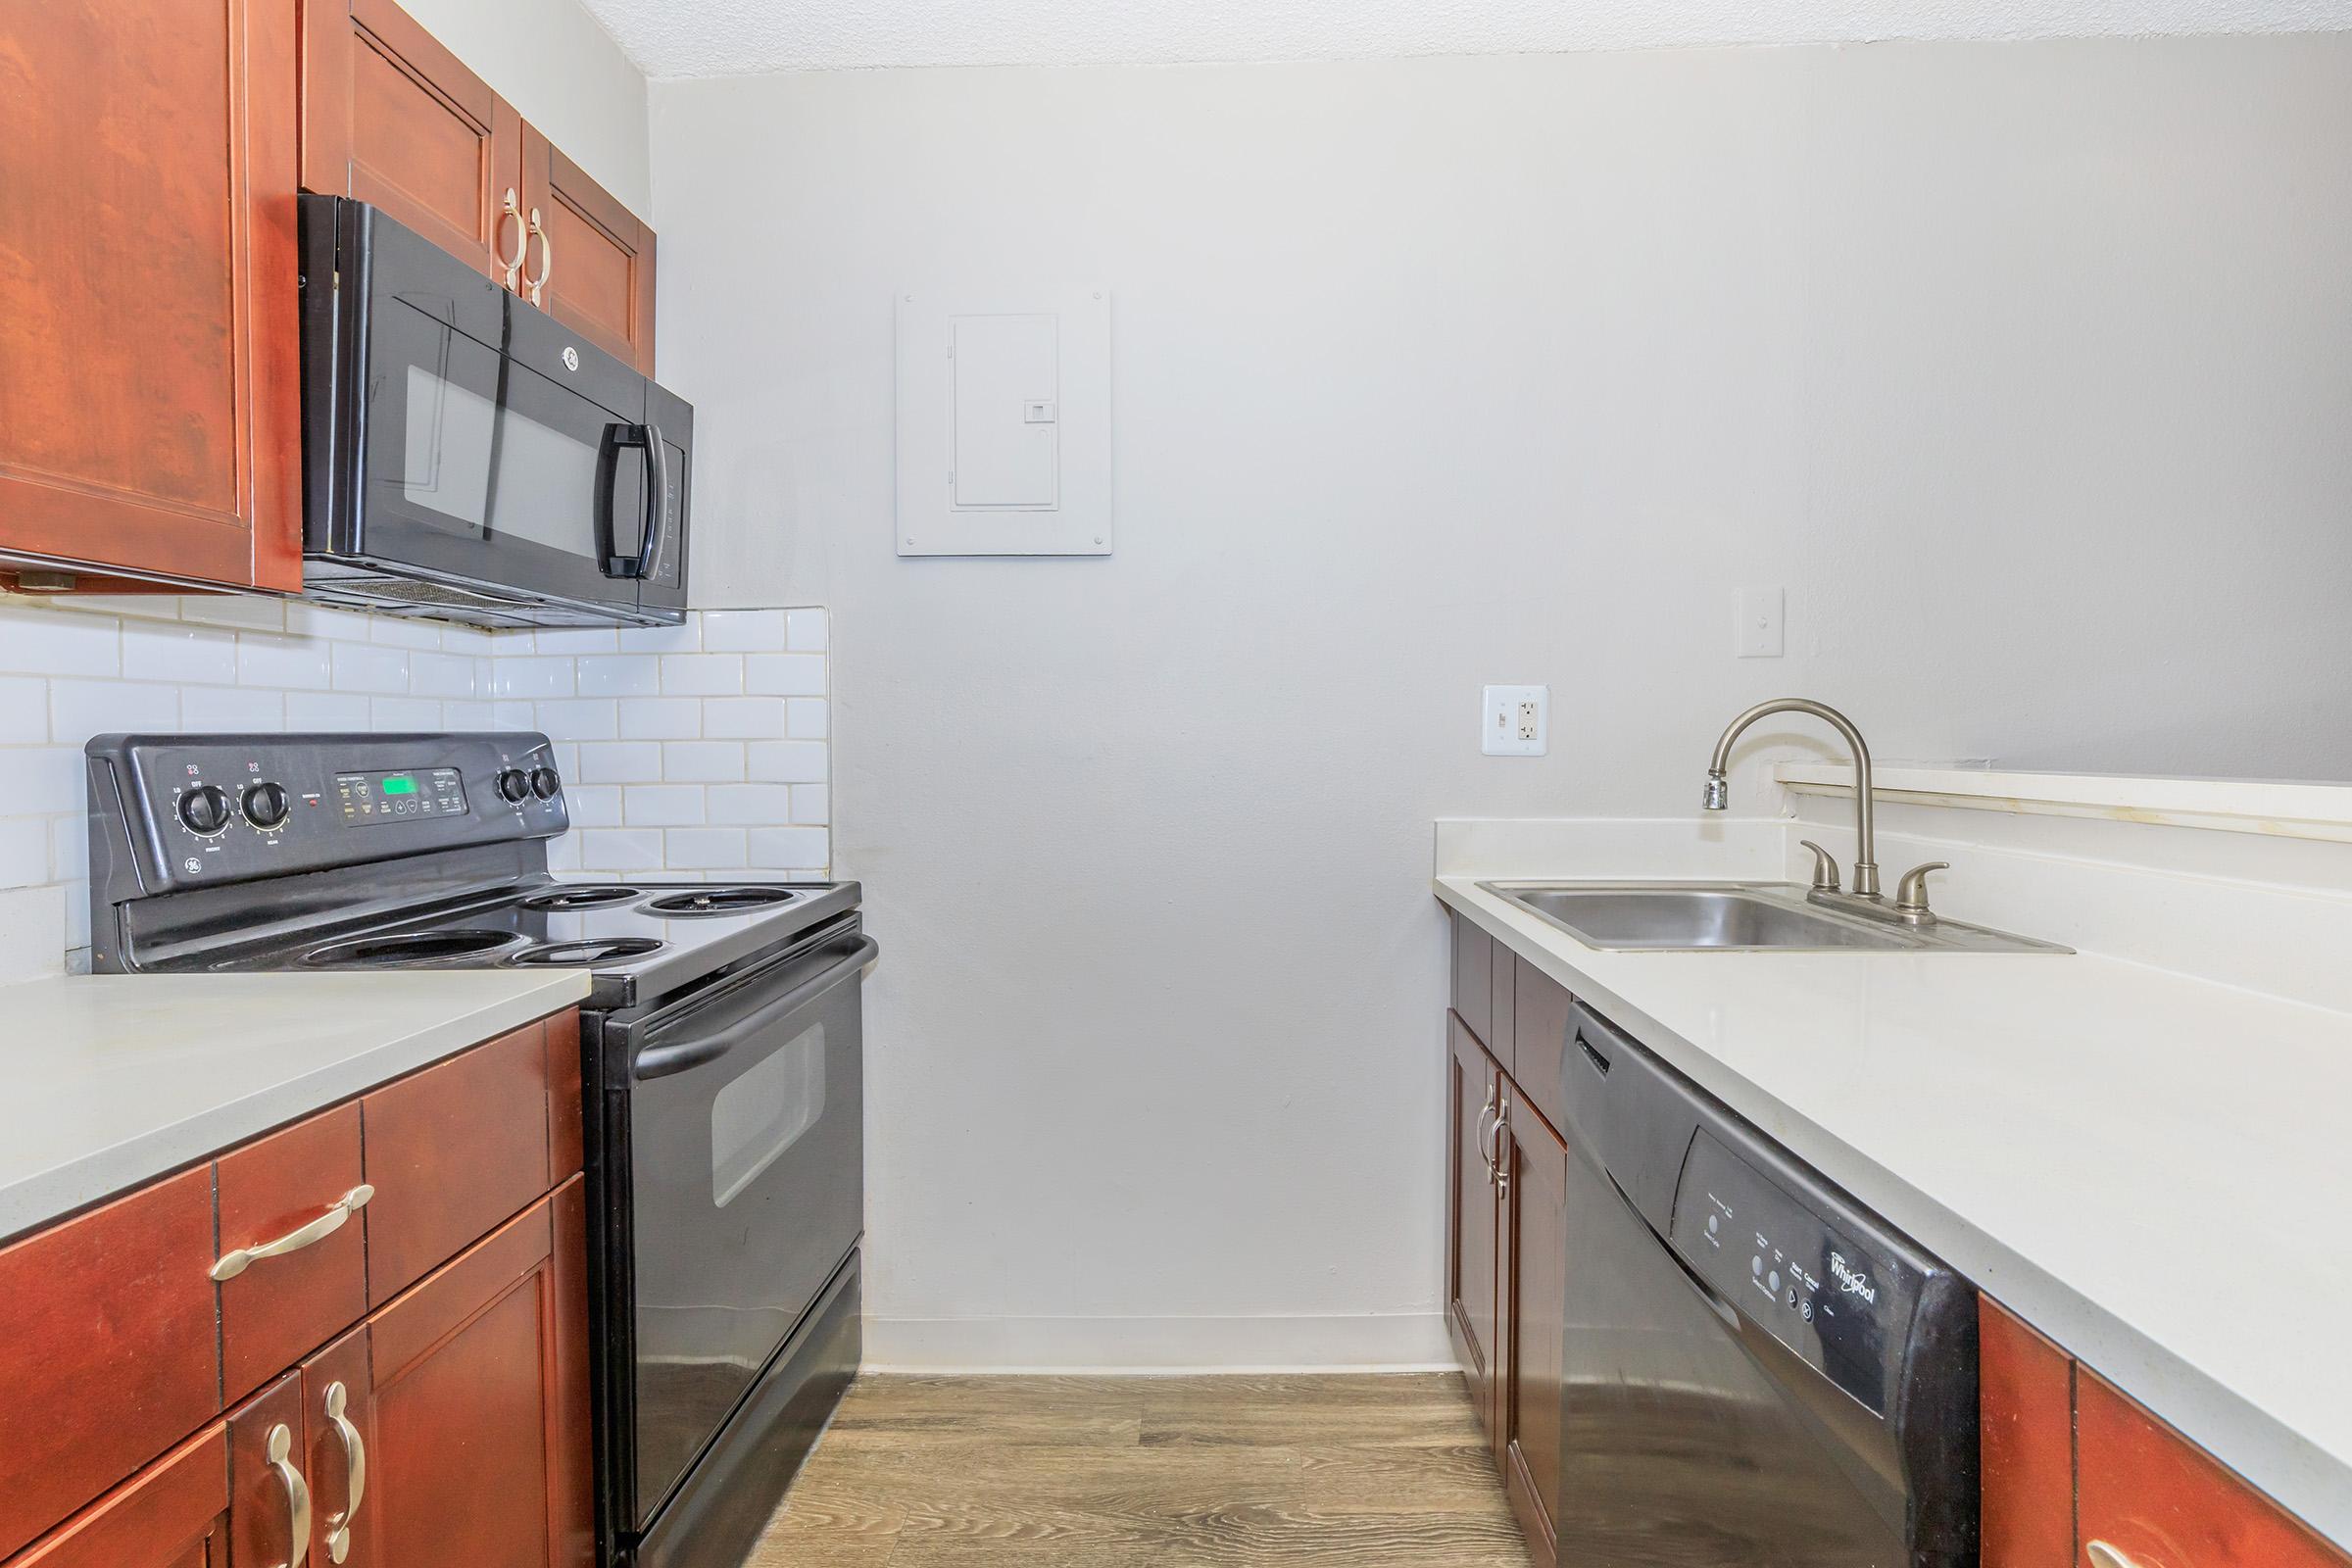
(1911, 892)
(1824, 867)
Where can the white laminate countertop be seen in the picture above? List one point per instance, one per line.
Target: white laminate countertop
(108, 1080)
(2150, 1167)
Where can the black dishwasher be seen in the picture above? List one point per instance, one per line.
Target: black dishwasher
(1758, 1372)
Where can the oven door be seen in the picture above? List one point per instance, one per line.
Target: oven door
(744, 1189)
(483, 444)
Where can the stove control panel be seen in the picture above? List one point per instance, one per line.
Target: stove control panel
(172, 813)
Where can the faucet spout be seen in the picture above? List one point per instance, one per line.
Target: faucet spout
(1866, 850)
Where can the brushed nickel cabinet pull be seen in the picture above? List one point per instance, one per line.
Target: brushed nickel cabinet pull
(1484, 1112)
(355, 1470)
(234, 1264)
(298, 1495)
(512, 207)
(536, 286)
(1502, 1175)
(2102, 1555)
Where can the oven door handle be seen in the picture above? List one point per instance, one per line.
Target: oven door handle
(663, 1061)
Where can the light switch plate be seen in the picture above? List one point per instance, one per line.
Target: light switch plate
(1516, 721)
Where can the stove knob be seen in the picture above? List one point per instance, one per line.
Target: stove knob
(204, 809)
(512, 785)
(263, 804)
(544, 783)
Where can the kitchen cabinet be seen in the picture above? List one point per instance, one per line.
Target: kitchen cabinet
(392, 118)
(590, 263)
(150, 416)
(1531, 1311)
(2026, 1440)
(403, 1298)
(1473, 1209)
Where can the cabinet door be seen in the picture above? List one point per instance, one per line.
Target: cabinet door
(269, 1495)
(1474, 955)
(1471, 1213)
(391, 117)
(591, 261)
(174, 1514)
(107, 1349)
(2147, 1497)
(150, 406)
(2026, 1425)
(1530, 1399)
(338, 1404)
(480, 1403)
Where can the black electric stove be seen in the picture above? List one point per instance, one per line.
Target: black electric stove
(722, 1057)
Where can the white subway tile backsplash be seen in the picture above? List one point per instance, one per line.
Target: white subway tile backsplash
(620, 762)
(660, 718)
(750, 718)
(786, 762)
(35, 640)
(167, 651)
(753, 805)
(696, 749)
(81, 708)
(701, 674)
(704, 848)
(288, 662)
(785, 674)
(743, 631)
(579, 719)
(662, 805)
(701, 762)
(231, 709)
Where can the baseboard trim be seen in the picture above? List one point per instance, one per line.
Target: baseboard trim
(1402, 1341)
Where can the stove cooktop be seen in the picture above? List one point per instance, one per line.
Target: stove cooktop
(638, 938)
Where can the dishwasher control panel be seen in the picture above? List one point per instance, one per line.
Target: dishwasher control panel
(1845, 1307)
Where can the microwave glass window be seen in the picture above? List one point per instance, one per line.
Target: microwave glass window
(509, 476)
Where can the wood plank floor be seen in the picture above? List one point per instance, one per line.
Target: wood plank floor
(1220, 1472)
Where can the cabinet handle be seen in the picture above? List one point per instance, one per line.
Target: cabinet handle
(535, 286)
(2103, 1555)
(1484, 1136)
(1502, 1175)
(298, 1495)
(512, 207)
(234, 1264)
(355, 1470)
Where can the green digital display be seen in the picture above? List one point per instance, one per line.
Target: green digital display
(400, 786)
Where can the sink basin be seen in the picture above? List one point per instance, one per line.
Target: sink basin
(1735, 917)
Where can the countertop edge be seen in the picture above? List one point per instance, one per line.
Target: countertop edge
(114, 1169)
(2282, 1462)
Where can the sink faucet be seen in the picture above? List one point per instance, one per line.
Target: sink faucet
(1866, 852)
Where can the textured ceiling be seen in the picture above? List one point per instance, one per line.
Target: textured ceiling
(728, 37)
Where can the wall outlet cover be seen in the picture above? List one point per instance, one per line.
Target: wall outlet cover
(1516, 721)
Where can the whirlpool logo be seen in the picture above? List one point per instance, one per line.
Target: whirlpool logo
(1854, 1282)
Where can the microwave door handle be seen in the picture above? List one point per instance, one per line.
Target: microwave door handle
(663, 1061)
(656, 500)
(617, 564)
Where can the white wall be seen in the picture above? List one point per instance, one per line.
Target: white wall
(563, 73)
(2026, 367)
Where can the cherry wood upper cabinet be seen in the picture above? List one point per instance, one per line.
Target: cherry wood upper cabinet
(150, 409)
(392, 118)
(2147, 1497)
(590, 263)
(2026, 1437)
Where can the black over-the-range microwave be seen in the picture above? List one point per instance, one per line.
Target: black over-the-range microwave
(467, 457)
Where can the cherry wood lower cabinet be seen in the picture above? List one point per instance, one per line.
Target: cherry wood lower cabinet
(1533, 1313)
(421, 1401)
(2025, 1398)
(1473, 1210)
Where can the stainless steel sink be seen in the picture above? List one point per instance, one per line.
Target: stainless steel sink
(1736, 917)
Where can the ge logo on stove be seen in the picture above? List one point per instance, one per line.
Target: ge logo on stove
(193, 865)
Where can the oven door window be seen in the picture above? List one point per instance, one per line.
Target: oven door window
(755, 1119)
(480, 466)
